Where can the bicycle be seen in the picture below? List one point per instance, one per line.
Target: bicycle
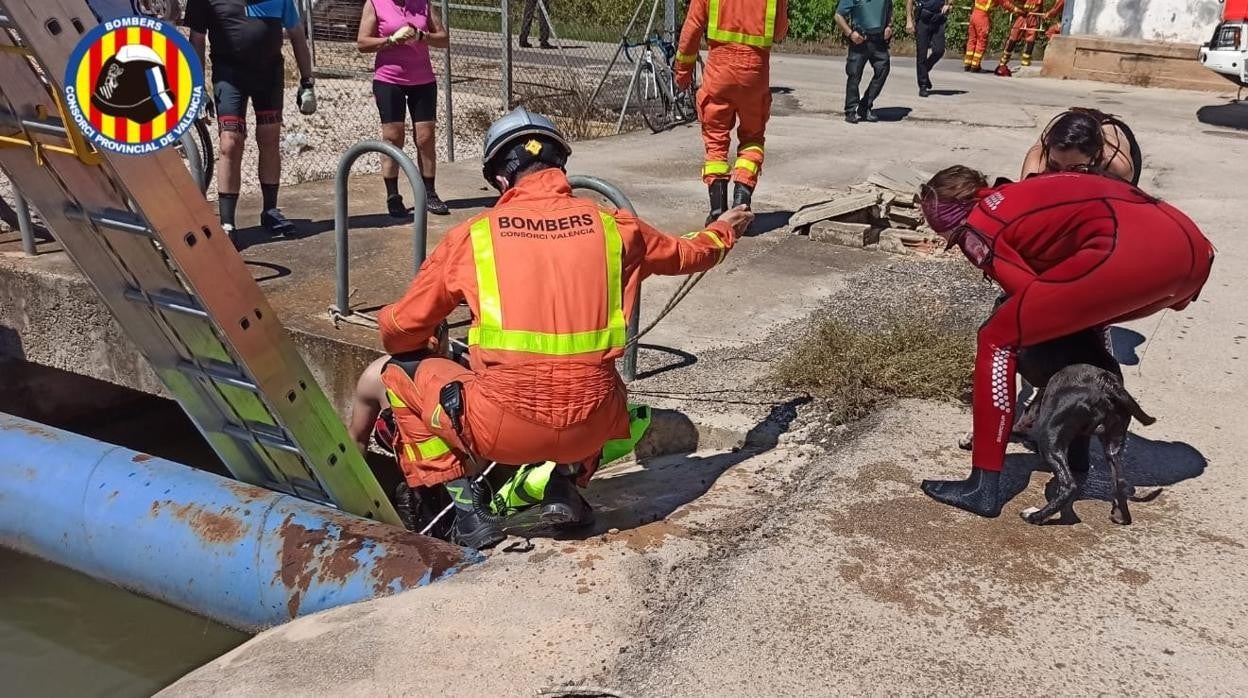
(663, 104)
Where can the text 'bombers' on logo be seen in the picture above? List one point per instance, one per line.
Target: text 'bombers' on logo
(134, 85)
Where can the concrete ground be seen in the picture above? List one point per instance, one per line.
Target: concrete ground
(792, 567)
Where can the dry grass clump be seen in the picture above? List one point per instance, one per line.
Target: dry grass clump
(851, 369)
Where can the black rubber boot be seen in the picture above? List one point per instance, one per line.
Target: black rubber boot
(742, 195)
(562, 504)
(473, 531)
(979, 494)
(718, 190)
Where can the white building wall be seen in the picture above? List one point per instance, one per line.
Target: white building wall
(1175, 21)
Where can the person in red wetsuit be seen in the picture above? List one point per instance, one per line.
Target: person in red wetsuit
(1071, 251)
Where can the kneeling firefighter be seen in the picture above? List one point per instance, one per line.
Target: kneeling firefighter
(550, 280)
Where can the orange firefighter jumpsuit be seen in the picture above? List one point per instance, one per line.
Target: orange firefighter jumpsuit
(550, 280)
(977, 34)
(1027, 25)
(736, 86)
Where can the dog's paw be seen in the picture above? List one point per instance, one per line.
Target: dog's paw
(966, 441)
(1031, 515)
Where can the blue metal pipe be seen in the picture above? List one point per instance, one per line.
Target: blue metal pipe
(240, 555)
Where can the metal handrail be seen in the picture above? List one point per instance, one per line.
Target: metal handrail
(22, 209)
(629, 368)
(342, 309)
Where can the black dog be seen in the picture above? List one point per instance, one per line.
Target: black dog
(1037, 364)
(1080, 401)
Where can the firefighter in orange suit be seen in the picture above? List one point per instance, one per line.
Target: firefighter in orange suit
(1027, 26)
(1054, 12)
(550, 280)
(977, 35)
(736, 87)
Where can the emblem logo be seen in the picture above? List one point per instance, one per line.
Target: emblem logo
(134, 85)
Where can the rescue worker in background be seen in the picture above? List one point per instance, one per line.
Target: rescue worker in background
(927, 26)
(977, 34)
(736, 88)
(550, 280)
(1086, 139)
(868, 26)
(1072, 252)
(1026, 26)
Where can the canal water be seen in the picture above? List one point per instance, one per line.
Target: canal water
(63, 633)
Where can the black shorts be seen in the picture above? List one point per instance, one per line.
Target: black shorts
(263, 86)
(419, 101)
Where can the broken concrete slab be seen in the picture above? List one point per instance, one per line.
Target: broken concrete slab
(904, 217)
(905, 241)
(833, 208)
(847, 234)
(900, 179)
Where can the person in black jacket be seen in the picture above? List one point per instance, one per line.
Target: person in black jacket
(927, 20)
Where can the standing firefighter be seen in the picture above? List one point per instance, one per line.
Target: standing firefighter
(1026, 27)
(977, 35)
(736, 89)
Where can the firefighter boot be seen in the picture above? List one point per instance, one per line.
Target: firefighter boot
(718, 190)
(471, 529)
(742, 194)
(562, 504)
(979, 494)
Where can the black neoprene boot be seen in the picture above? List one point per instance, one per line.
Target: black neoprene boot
(718, 190)
(562, 503)
(742, 195)
(979, 494)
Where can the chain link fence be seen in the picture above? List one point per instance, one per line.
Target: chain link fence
(485, 71)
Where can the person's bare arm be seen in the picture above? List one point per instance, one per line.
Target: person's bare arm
(910, 16)
(366, 39)
(1034, 162)
(847, 30)
(1118, 153)
(303, 55)
(437, 36)
(370, 397)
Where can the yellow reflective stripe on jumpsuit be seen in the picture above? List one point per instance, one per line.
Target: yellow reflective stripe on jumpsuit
(490, 333)
(714, 33)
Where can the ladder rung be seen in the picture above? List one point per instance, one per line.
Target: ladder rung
(263, 433)
(113, 219)
(49, 127)
(219, 372)
(168, 300)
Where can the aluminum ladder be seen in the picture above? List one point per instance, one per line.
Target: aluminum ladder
(147, 240)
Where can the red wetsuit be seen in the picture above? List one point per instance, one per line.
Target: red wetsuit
(1072, 252)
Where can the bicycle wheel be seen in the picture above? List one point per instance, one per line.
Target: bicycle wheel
(207, 151)
(650, 98)
(168, 10)
(202, 140)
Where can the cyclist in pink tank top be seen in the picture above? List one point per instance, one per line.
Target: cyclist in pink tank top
(399, 33)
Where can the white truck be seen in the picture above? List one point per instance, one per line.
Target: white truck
(1227, 52)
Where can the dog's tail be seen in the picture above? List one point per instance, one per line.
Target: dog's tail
(1124, 398)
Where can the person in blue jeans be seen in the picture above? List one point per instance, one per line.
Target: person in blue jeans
(868, 26)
